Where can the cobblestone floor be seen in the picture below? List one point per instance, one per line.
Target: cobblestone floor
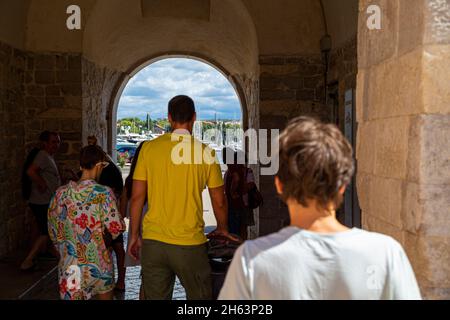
(47, 288)
(133, 284)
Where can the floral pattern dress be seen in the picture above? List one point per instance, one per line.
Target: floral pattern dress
(78, 216)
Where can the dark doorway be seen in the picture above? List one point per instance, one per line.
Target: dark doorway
(349, 213)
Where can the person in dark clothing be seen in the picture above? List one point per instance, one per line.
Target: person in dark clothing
(239, 179)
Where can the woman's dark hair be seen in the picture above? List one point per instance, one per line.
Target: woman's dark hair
(90, 156)
(181, 109)
(129, 179)
(45, 135)
(316, 161)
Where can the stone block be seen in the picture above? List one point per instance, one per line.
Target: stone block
(73, 90)
(435, 156)
(44, 77)
(391, 146)
(52, 91)
(273, 122)
(50, 124)
(54, 102)
(61, 62)
(34, 124)
(415, 146)
(429, 257)
(30, 63)
(375, 46)
(64, 148)
(385, 201)
(272, 60)
(437, 22)
(306, 95)
(395, 88)
(44, 62)
(411, 35)
(34, 103)
(71, 76)
(74, 63)
(71, 136)
(425, 210)
(73, 102)
(279, 70)
(33, 90)
(435, 79)
(277, 94)
(312, 82)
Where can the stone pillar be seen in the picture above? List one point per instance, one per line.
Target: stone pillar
(403, 111)
(98, 86)
(290, 86)
(12, 131)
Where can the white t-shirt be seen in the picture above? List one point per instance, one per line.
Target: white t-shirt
(295, 264)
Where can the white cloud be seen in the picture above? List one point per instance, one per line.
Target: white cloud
(150, 90)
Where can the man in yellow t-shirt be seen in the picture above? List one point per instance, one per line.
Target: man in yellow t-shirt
(171, 173)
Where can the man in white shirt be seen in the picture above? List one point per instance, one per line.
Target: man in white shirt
(316, 257)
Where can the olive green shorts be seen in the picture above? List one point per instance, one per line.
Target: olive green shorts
(161, 262)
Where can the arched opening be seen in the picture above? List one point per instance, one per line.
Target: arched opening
(209, 66)
(147, 89)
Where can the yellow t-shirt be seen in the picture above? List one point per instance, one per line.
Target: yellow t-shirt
(177, 168)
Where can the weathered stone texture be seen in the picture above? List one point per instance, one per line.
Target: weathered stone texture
(403, 134)
(33, 100)
(12, 127)
(343, 68)
(98, 87)
(290, 86)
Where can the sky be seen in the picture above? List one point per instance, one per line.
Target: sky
(150, 90)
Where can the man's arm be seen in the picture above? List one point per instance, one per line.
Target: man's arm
(33, 173)
(137, 203)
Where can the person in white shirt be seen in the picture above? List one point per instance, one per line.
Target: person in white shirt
(316, 257)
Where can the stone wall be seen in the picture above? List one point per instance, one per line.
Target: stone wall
(99, 85)
(37, 92)
(403, 150)
(343, 69)
(13, 65)
(290, 86)
(53, 102)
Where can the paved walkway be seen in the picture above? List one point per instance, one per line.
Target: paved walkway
(46, 288)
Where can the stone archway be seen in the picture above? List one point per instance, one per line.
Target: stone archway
(125, 77)
(225, 39)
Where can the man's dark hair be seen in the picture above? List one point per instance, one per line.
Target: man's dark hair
(90, 156)
(181, 109)
(45, 135)
(315, 162)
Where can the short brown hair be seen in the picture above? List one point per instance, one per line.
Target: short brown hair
(90, 156)
(316, 161)
(181, 109)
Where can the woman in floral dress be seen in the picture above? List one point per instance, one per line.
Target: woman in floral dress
(79, 215)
